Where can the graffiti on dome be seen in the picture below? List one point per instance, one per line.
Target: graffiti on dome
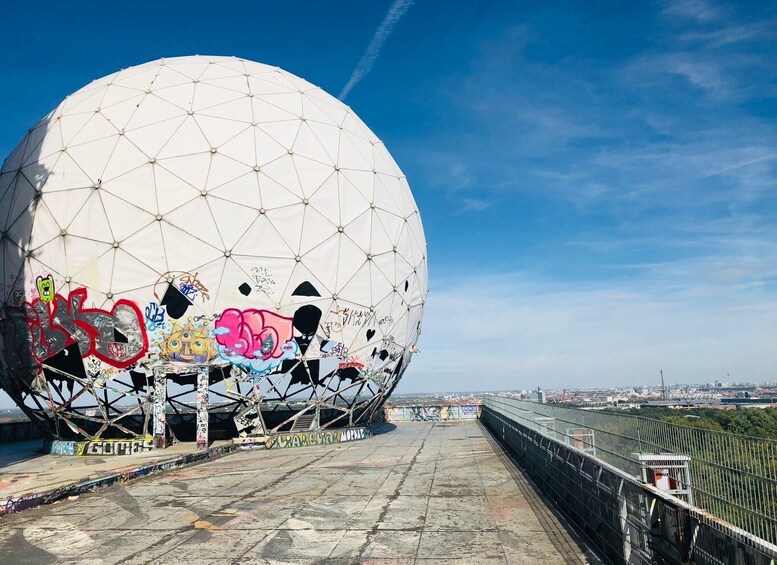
(97, 371)
(117, 338)
(338, 319)
(350, 362)
(334, 349)
(187, 343)
(155, 316)
(45, 286)
(262, 280)
(258, 340)
(17, 296)
(177, 291)
(191, 287)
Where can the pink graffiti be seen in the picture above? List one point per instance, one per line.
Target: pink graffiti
(253, 334)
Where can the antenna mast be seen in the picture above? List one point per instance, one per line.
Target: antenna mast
(663, 387)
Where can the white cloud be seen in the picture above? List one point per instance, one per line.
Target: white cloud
(702, 74)
(698, 10)
(729, 35)
(476, 204)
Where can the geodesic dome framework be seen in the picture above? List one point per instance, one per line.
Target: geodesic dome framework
(206, 211)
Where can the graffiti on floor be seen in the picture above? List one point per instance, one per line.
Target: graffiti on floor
(13, 504)
(304, 439)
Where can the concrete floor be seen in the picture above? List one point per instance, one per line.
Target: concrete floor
(416, 493)
(25, 470)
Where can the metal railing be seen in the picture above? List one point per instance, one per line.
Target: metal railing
(628, 521)
(734, 477)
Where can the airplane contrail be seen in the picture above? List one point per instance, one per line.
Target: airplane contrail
(394, 14)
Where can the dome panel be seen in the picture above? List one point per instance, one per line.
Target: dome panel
(138, 187)
(153, 109)
(263, 240)
(241, 147)
(187, 139)
(243, 190)
(150, 139)
(141, 80)
(116, 95)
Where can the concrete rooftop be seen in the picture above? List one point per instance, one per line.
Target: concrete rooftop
(415, 493)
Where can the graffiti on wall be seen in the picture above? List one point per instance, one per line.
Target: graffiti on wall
(114, 446)
(305, 439)
(431, 413)
(117, 338)
(100, 446)
(60, 447)
(158, 398)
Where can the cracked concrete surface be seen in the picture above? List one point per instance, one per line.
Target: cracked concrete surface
(416, 493)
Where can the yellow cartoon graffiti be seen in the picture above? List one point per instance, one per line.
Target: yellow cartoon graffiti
(187, 344)
(45, 288)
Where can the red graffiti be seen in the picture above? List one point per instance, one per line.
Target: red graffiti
(350, 364)
(117, 337)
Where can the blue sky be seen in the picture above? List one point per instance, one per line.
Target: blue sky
(596, 180)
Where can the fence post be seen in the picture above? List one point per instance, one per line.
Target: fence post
(623, 515)
(639, 438)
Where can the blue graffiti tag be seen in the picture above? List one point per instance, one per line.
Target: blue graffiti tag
(155, 316)
(188, 290)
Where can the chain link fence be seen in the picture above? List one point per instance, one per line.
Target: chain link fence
(733, 477)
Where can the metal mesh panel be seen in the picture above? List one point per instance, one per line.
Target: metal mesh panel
(628, 521)
(733, 477)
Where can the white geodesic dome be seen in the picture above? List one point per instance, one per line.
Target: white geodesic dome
(207, 210)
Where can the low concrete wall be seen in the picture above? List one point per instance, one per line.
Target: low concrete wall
(101, 447)
(19, 431)
(432, 413)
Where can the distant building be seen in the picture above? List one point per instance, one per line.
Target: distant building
(540, 395)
